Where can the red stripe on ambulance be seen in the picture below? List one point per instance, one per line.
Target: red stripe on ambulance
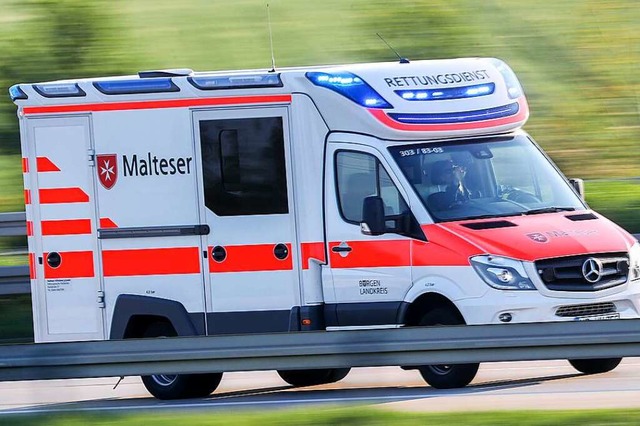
(372, 254)
(251, 258)
(105, 222)
(155, 261)
(63, 195)
(32, 266)
(312, 251)
(73, 264)
(168, 103)
(43, 164)
(27, 196)
(66, 227)
(29, 228)
(381, 116)
(25, 165)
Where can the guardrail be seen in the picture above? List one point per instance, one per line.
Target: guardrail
(325, 349)
(13, 224)
(15, 279)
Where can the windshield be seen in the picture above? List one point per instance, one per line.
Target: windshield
(481, 178)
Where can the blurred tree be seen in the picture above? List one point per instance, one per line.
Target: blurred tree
(55, 39)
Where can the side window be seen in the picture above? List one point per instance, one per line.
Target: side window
(359, 176)
(393, 201)
(243, 166)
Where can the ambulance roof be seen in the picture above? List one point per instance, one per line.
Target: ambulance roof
(420, 99)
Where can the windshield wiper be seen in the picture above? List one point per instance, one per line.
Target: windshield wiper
(549, 210)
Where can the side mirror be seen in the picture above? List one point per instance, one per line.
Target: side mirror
(578, 185)
(372, 216)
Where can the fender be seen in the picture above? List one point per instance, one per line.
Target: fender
(129, 305)
(463, 283)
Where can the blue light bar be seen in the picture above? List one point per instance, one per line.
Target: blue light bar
(350, 86)
(59, 90)
(513, 85)
(236, 81)
(126, 87)
(458, 117)
(15, 92)
(447, 93)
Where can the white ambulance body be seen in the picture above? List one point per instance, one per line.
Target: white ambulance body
(355, 196)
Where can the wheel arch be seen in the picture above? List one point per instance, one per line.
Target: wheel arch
(426, 302)
(132, 314)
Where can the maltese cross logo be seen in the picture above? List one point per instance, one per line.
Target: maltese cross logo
(538, 237)
(107, 165)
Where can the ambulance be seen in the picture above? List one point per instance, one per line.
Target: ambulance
(385, 195)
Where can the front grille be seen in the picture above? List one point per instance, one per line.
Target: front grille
(566, 273)
(585, 310)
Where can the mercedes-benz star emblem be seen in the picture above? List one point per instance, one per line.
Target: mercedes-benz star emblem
(592, 270)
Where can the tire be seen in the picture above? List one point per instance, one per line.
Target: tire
(595, 366)
(444, 376)
(177, 386)
(300, 378)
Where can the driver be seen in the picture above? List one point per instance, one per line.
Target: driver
(449, 175)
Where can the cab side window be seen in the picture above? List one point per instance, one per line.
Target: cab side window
(360, 175)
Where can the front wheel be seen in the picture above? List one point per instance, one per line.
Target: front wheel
(446, 376)
(595, 366)
(300, 378)
(177, 386)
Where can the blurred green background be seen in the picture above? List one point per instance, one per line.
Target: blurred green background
(578, 60)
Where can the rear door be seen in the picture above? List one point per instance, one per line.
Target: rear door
(68, 291)
(252, 274)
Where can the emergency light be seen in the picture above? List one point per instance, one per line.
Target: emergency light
(125, 87)
(236, 81)
(458, 117)
(447, 93)
(350, 86)
(15, 92)
(514, 89)
(59, 90)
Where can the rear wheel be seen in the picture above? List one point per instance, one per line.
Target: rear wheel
(301, 378)
(177, 386)
(446, 376)
(595, 366)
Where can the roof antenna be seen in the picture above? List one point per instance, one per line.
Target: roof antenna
(273, 58)
(402, 60)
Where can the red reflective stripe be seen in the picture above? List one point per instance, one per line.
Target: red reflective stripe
(168, 103)
(156, 261)
(381, 116)
(105, 222)
(434, 254)
(25, 165)
(251, 258)
(43, 164)
(32, 266)
(63, 195)
(311, 251)
(372, 254)
(74, 264)
(29, 228)
(27, 196)
(66, 227)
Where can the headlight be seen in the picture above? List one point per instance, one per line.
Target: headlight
(502, 273)
(634, 262)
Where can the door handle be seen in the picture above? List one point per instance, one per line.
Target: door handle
(341, 249)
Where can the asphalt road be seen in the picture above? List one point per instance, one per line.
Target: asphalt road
(498, 386)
